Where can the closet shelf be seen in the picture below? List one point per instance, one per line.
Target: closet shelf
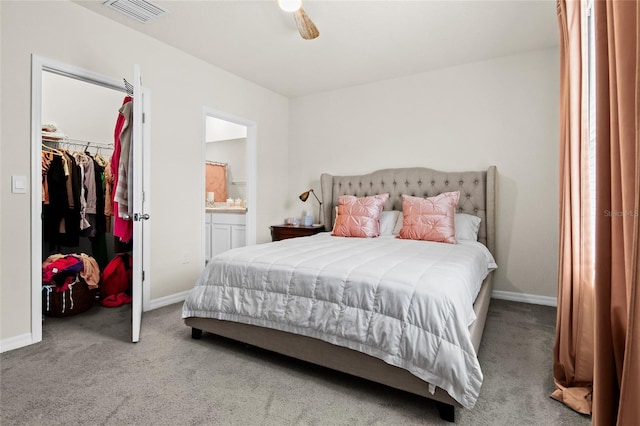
(78, 142)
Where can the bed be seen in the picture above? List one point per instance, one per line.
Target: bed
(366, 306)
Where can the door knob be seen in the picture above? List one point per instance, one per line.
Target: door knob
(141, 216)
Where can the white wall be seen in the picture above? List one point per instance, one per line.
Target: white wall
(501, 112)
(79, 109)
(181, 86)
(221, 130)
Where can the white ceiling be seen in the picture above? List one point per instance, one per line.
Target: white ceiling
(221, 130)
(360, 41)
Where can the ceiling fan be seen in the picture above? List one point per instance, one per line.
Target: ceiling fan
(306, 27)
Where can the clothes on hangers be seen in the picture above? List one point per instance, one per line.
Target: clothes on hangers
(58, 215)
(120, 169)
(46, 162)
(73, 201)
(123, 193)
(84, 164)
(75, 206)
(108, 195)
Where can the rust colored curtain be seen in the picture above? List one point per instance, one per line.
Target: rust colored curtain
(616, 396)
(216, 181)
(573, 347)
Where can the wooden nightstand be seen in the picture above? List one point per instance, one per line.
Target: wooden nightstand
(282, 232)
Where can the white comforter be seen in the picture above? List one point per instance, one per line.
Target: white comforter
(406, 302)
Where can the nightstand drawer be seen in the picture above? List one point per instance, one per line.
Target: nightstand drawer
(282, 232)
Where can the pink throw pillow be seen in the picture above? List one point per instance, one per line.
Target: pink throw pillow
(359, 217)
(430, 219)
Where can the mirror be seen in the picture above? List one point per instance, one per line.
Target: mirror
(225, 163)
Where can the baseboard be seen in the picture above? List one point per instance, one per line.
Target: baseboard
(15, 342)
(25, 339)
(496, 294)
(524, 298)
(161, 302)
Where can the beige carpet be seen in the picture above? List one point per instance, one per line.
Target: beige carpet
(85, 372)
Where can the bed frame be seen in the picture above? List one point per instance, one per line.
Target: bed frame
(477, 196)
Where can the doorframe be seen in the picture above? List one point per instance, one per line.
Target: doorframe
(40, 64)
(251, 154)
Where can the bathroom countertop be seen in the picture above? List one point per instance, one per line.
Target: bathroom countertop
(225, 209)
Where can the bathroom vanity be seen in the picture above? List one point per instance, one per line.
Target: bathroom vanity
(224, 229)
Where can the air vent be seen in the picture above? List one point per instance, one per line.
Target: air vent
(140, 10)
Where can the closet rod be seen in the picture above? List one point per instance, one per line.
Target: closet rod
(79, 142)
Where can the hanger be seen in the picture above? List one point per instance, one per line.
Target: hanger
(52, 150)
(128, 87)
(100, 159)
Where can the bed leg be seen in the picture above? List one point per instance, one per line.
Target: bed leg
(196, 333)
(446, 411)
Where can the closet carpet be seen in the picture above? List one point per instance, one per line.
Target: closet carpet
(85, 372)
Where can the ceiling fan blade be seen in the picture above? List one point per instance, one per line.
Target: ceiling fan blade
(306, 27)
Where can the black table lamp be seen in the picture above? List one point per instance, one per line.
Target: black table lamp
(305, 195)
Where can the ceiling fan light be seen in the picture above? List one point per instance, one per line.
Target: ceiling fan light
(290, 5)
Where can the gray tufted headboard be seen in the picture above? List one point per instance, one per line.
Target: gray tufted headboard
(477, 192)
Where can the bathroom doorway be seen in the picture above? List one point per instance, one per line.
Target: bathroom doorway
(228, 180)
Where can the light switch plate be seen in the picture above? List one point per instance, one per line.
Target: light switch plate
(19, 184)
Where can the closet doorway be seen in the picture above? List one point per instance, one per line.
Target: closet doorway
(74, 110)
(228, 181)
(81, 118)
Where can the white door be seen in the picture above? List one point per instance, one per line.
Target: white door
(140, 216)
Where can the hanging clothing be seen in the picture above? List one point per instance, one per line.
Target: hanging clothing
(98, 219)
(70, 236)
(74, 202)
(61, 215)
(54, 210)
(87, 164)
(82, 160)
(108, 195)
(71, 173)
(123, 229)
(123, 194)
(46, 162)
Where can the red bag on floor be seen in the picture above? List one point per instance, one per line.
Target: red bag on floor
(117, 276)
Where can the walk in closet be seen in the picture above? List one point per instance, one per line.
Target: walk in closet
(81, 233)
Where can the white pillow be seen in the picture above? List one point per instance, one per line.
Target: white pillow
(398, 226)
(467, 226)
(388, 221)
